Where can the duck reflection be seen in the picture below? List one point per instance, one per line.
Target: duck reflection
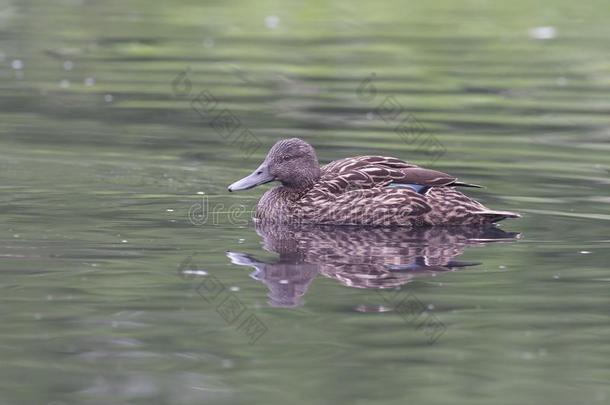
(360, 257)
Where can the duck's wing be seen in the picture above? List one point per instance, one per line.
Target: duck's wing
(380, 171)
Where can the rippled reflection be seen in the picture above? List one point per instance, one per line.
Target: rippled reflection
(360, 257)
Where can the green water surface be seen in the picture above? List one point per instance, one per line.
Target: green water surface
(108, 140)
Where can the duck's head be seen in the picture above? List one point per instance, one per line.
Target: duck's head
(293, 162)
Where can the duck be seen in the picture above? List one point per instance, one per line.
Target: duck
(361, 190)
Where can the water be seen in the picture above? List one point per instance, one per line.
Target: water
(112, 293)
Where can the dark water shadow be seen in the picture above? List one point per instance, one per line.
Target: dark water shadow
(359, 257)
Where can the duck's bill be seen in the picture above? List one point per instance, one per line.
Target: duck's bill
(258, 177)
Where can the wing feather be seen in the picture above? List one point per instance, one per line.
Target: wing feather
(379, 171)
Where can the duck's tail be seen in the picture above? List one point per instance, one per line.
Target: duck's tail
(462, 184)
(492, 216)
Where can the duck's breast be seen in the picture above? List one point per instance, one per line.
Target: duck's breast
(275, 206)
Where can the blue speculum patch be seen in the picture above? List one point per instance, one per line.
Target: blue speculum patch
(418, 188)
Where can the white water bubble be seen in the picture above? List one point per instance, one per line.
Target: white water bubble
(68, 65)
(372, 308)
(108, 98)
(89, 81)
(195, 272)
(272, 21)
(542, 33)
(64, 84)
(17, 64)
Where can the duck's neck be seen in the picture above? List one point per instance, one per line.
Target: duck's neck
(302, 180)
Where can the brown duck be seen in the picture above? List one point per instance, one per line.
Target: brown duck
(361, 190)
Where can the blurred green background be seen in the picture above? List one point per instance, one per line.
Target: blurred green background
(102, 156)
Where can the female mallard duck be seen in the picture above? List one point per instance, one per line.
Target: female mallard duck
(361, 190)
